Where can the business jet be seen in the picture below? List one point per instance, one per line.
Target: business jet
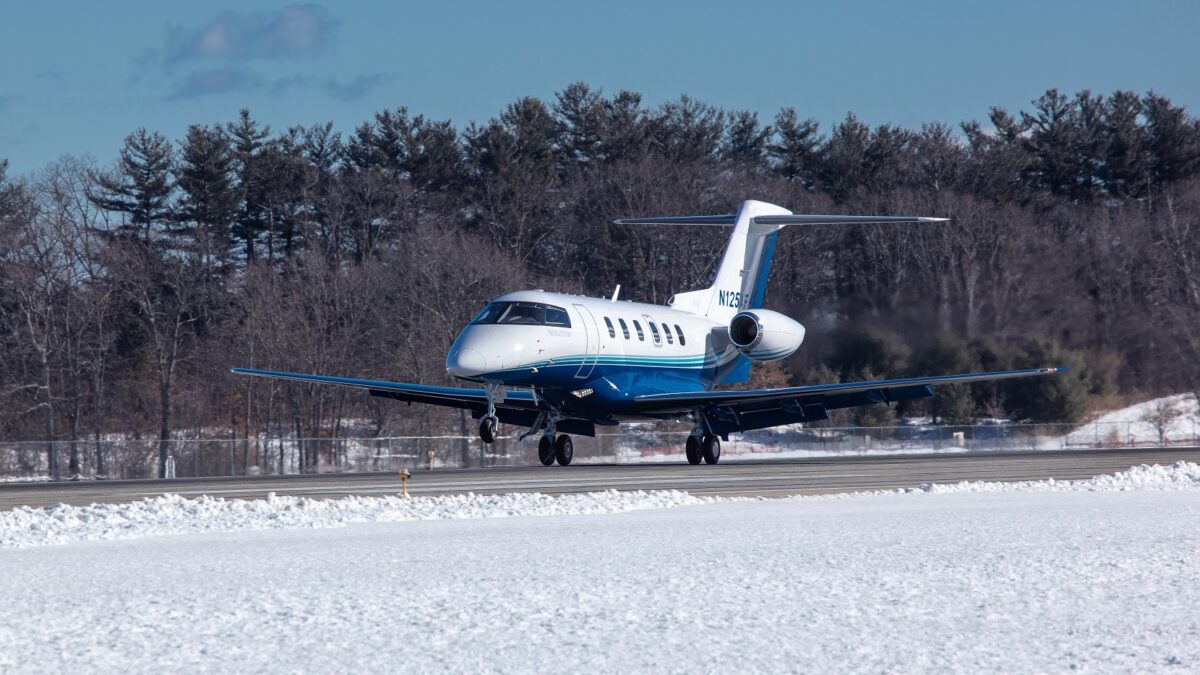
(556, 362)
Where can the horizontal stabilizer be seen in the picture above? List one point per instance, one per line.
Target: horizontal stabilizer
(843, 220)
(731, 219)
(725, 220)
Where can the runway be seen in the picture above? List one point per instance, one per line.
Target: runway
(751, 478)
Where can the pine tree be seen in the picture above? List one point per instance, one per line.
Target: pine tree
(845, 171)
(380, 144)
(248, 142)
(797, 152)
(625, 134)
(745, 143)
(1124, 172)
(1172, 141)
(580, 110)
(435, 157)
(689, 130)
(210, 200)
(140, 187)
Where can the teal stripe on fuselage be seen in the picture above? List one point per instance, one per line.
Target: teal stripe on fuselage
(619, 360)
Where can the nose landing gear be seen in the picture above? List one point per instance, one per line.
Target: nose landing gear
(487, 428)
(489, 424)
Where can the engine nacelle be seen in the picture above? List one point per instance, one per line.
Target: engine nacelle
(764, 335)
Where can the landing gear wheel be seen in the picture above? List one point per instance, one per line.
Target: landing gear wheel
(693, 450)
(487, 428)
(546, 451)
(564, 450)
(711, 447)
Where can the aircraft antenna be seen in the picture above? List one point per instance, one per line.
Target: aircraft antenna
(616, 292)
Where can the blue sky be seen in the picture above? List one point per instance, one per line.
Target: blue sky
(78, 76)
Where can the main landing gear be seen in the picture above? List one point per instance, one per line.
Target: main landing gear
(551, 449)
(704, 446)
(553, 446)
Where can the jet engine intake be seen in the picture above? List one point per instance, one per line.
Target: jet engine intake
(764, 335)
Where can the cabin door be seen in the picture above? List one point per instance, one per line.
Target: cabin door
(591, 350)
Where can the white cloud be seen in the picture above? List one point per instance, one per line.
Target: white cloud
(290, 32)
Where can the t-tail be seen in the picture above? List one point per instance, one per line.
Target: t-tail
(741, 279)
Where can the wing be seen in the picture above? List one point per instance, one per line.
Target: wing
(518, 407)
(729, 411)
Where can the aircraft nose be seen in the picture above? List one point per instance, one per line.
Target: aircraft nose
(465, 363)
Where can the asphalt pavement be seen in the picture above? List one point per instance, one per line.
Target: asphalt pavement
(773, 478)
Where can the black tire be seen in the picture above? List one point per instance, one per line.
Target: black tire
(564, 450)
(546, 451)
(487, 429)
(693, 450)
(711, 447)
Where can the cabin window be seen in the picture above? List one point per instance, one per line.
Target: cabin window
(638, 327)
(679, 332)
(654, 331)
(523, 314)
(667, 332)
(612, 332)
(624, 328)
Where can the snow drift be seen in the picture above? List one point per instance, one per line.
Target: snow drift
(171, 514)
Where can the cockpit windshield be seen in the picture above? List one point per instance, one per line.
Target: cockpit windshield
(524, 314)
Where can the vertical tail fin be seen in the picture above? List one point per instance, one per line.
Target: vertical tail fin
(741, 278)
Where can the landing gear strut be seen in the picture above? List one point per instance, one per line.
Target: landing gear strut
(490, 423)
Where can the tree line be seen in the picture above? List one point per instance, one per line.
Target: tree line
(128, 290)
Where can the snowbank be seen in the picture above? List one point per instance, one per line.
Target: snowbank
(172, 514)
(1178, 476)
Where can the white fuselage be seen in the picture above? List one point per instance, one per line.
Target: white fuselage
(614, 349)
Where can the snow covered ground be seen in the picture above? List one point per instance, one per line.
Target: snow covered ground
(1129, 426)
(1101, 575)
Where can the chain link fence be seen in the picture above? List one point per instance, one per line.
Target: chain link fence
(129, 458)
